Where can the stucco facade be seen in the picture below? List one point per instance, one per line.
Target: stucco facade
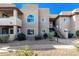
(33, 20)
(41, 19)
(31, 10)
(10, 20)
(44, 20)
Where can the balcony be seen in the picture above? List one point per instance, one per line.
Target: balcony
(10, 16)
(10, 21)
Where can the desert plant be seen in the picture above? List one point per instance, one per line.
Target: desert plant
(24, 52)
(77, 33)
(4, 38)
(21, 36)
(70, 35)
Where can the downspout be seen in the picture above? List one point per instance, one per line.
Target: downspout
(39, 23)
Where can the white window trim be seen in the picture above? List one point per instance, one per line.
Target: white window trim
(31, 28)
(66, 21)
(30, 22)
(44, 20)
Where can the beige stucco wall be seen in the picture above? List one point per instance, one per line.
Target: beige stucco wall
(30, 9)
(73, 24)
(44, 25)
(62, 26)
(76, 22)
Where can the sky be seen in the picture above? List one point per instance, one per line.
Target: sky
(55, 8)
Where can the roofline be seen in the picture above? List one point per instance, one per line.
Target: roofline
(13, 8)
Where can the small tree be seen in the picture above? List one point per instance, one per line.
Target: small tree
(77, 33)
(51, 35)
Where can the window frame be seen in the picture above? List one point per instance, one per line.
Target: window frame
(66, 21)
(29, 33)
(12, 31)
(30, 20)
(43, 19)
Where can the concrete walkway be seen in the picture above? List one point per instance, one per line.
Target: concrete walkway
(38, 45)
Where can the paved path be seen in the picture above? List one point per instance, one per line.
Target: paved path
(41, 44)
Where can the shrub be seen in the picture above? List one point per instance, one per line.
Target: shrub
(55, 35)
(51, 34)
(77, 33)
(4, 38)
(24, 52)
(77, 46)
(38, 37)
(70, 35)
(21, 36)
(45, 36)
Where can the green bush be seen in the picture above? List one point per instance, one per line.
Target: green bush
(77, 46)
(4, 38)
(77, 33)
(45, 36)
(38, 37)
(24, 52)
(51, 34)
(55, 35)
(70, 35)
(21, 36)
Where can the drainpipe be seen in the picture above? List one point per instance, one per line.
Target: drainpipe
(39, 24)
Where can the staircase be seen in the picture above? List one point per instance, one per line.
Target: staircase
(58, 32)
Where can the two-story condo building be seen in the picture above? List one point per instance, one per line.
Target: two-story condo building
(10, 20)
(32, 20)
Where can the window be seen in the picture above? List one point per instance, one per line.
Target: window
(43, 31)
(18, 30)
(30, 31)
(11, 31)
(66, 21)
(66, 30)
(5, 30)
(42, 19)
(30, 18)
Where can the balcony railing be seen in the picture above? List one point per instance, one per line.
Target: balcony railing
(10, 21)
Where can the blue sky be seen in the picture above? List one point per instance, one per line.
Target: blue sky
(55, 8)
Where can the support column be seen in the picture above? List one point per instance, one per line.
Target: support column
(15, 18)
(15, 15)
(9, 30)
(15, 30)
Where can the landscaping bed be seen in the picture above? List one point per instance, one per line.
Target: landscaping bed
(58, 52)
(52, 52)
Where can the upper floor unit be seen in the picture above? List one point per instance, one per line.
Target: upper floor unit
(10, 15)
